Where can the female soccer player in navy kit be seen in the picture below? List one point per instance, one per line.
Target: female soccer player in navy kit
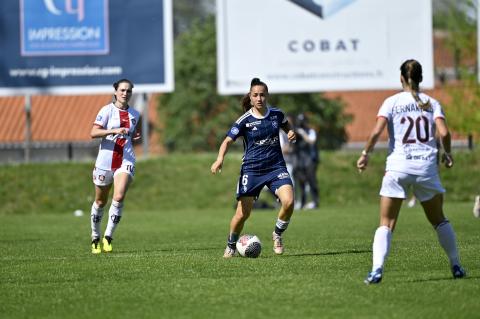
(413, 119)
(263, 163)
(116, 125)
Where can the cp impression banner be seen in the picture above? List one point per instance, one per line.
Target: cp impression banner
(321, 45)
(83, 46)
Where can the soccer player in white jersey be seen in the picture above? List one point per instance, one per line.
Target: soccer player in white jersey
(116, 125)
(413, 119)
(262, 165)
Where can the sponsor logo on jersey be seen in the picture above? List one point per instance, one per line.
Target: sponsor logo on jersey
(268, 141)
(253, 123)
(234, 130)
(283, 175)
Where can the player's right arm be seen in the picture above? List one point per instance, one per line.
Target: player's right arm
(362, 161)
(217, 165)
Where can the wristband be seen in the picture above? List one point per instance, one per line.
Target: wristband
(364, 153)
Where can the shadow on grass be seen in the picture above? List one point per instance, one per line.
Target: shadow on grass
(330, 253)
(168, 250)
(448, 278)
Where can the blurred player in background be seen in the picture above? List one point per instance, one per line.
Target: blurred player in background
(476, 207)
(262, 165)
(412, 118)
(116, 125)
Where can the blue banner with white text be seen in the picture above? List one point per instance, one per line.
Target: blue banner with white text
(83, 46)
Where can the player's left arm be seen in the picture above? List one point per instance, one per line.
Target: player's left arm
(446, 140)
(286, 127)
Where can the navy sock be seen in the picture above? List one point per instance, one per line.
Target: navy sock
(232, 240)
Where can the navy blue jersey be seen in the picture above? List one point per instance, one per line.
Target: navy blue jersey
(261, 142)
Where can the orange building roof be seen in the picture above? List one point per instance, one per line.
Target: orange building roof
(59, 118)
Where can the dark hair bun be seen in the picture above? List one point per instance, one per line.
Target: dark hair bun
(255, 81)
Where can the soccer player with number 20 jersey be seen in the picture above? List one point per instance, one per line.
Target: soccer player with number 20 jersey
(263, 163)
(413, 120)
(116, 125)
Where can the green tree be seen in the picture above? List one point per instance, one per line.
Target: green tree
(457, 19)
(196, 118)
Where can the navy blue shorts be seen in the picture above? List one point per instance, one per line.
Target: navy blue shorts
(250, 184)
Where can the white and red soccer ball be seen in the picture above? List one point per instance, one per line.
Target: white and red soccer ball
(249, 246)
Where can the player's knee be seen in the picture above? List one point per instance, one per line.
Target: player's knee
(288, 203)
(119, 197)
(100, 203)
(242, 215)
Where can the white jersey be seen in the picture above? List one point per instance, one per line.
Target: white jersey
(412, 143)
(116, 150)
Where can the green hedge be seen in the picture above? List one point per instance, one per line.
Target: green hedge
(184, 181)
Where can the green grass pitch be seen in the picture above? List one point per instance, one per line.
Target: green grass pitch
(167, 264)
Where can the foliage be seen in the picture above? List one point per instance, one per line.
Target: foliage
(196, 117)
(457, 19)
(325, 115)
(462, 111)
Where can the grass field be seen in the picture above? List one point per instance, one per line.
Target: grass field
(167, 264)
(167, 260)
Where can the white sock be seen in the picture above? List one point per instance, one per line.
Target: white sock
(446, 237)
(381, 246)
(96, 215)
(114, 216)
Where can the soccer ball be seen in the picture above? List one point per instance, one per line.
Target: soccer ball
(249, 246)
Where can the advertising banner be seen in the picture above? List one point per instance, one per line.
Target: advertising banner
(321, 45)
(83, 46)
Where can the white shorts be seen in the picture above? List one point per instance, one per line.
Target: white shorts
(396, 185)
(105, 177)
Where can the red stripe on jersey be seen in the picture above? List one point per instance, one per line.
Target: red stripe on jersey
(117, 156)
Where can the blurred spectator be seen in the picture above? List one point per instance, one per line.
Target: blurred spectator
(306, 162)
(288, 150)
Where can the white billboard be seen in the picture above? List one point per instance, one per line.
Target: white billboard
(321, 45)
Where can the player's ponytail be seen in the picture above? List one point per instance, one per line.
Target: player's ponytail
(411, 71)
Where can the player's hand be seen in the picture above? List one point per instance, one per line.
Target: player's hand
(292, 137)
(216, 167)
(121, 130)
(447, 159)
(362, 163)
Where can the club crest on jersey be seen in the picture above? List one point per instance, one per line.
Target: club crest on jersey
(275, 124)
(234, 130)
(134, 121)
(99, 118)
